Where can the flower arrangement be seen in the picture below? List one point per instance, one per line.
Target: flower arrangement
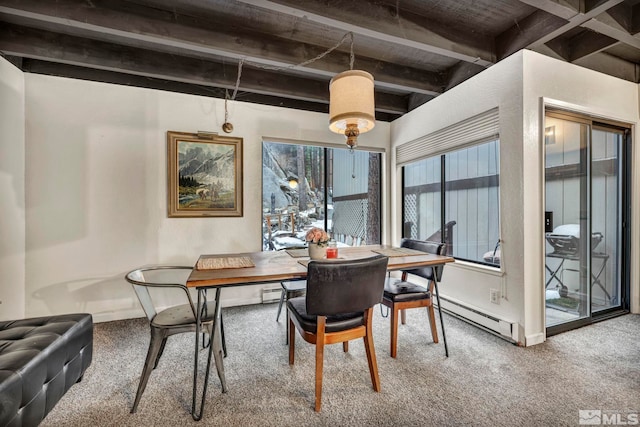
(318, 236)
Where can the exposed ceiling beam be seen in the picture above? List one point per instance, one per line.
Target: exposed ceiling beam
(147, 27)
(611, 65)
(588, 43)
(375, 21)
(608, 29)
(82, 73)
(416, 100)
(71, 50)
(575, 12)
(565, 9)
(609, 21)
(623, 15)
(195, 46)
(459, 73)
(527, 32)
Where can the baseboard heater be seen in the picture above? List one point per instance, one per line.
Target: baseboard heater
(270, 295)
(500, 327)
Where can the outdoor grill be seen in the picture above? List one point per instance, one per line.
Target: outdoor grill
(565, 240)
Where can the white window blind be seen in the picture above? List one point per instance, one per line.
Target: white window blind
(474, 130)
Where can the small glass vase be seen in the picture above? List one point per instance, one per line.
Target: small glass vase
(316, 251)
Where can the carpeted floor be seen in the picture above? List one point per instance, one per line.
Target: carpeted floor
(485, 382)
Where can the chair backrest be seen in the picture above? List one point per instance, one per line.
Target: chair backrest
(335, 287)
(435, 248)
(163, 277)
(446, 237)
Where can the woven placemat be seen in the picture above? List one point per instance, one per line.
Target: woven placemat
(298, 253)
(394, 252)
(226, 262)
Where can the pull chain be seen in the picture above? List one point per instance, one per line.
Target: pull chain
(353, 170)
(226, 126)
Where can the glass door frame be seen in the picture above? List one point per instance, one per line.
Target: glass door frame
(624, 245)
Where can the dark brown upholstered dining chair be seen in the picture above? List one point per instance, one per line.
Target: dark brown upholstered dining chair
(178, 318)
(399, 294)
(338, 307)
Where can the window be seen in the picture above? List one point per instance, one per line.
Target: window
(307, 186)
(454, 198)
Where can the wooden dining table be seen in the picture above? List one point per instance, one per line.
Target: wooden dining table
(214, 272)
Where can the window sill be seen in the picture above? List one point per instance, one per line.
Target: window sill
(478, 268)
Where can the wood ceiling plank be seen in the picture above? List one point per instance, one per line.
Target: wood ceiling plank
(611, 65)
(150, 28)
(30, 43)
(194, 44)
(588, 43)
(529, 31)
(461, 72)
(567, 11)
(416, 100)
(372, 20)
(623, 15)
(615, 33)
(83, 73)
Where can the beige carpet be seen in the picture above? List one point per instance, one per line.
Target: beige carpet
(485, 382)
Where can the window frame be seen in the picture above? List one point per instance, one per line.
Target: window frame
(443, 194)
(327, 179)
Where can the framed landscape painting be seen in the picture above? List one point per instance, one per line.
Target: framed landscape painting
(204, 175)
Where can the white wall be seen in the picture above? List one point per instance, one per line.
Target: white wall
(96, 188)
(556, 83)
(499, 86)
(95, 184)
(12, 188)
(517, 86)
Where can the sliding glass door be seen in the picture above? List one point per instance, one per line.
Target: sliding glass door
(585, 187)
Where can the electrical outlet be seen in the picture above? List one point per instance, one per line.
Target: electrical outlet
(493, 296)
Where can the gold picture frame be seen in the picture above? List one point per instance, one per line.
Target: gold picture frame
(204, 175)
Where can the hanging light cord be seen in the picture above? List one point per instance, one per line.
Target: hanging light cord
(352, 57)
(242, 61)
(235, 90)
(226, 111)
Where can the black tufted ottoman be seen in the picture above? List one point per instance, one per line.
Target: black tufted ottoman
(40, 359)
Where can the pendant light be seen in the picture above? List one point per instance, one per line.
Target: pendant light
(351, 104)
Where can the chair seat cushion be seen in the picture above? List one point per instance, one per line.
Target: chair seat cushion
(294, 285)
(298, 308)
(180, 315)
(397, 290)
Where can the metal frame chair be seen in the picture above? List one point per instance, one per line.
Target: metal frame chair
(169, 321)
(290, 289)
